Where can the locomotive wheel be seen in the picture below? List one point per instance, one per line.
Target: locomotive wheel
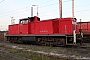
(59, 42)
(62, 40)
(55, 42)
(38, 40)
(19, 40)
(50, 41)
(10, 40)
(47, 44)
(41, 41)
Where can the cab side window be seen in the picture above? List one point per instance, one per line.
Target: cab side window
(24, 22)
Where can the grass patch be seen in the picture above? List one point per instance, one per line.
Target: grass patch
(2, 56)
(31, 55)
(5, 57)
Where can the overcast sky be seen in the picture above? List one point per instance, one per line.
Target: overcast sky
(47, 9)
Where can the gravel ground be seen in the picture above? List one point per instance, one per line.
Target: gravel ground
(5, 55)
(77, 52)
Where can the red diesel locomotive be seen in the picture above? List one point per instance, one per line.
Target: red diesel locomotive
(57, 32)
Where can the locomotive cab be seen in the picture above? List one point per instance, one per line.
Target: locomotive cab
(25, 24)
(29, 19)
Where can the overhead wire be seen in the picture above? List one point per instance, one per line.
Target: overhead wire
(2, 1)
(38, 7)
(45, 2)
(45, 6)
(77, 11)
(42, 7)
(14, 13)
(20, 8)
(52, 4)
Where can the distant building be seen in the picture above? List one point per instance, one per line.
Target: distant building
(2, 35)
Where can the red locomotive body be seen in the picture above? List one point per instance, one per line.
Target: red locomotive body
(13, 29)
(59, 31)
(44, 27)
(66, 26)
(85, 28)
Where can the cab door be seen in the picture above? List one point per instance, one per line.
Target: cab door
(21, 26)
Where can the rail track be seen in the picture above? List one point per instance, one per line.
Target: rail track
(68, 52)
